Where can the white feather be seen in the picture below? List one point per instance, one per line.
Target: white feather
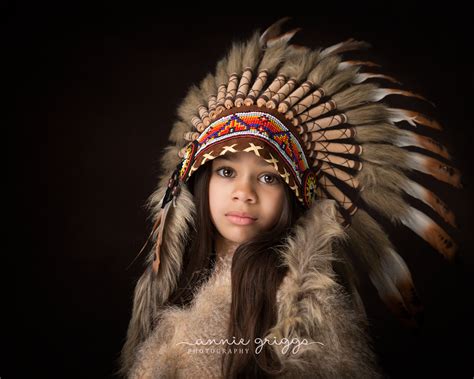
(405, 139)
(416, 221)
(398, 115)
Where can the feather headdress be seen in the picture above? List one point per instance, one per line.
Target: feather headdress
(323, 122)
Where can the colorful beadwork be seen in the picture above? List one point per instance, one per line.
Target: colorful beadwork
(257, 124)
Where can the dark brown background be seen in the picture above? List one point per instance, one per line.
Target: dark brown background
(96, 91)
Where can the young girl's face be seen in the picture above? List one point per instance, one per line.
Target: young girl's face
(246, 196)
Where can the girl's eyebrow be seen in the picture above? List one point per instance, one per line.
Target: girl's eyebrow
(232, 158)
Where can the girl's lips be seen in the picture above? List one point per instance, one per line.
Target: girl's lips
(237, 220)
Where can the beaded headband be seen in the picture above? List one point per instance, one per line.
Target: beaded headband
(255, 130)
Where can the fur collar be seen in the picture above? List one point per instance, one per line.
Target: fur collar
(311, 305)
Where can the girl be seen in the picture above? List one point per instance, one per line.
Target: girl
(259, 213)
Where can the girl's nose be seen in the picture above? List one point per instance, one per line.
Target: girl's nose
(244, 191)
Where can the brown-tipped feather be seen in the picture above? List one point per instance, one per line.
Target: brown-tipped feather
(348, 45)
(361, 63)
(431, 232)
(282, 39)
(431, 199)
(396, 268)
(362, 77)
(272, 31)
(413, 118)
(381, 93)
(387, 270)
(409, 138)
(436, 168)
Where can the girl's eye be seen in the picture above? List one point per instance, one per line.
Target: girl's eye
(226, 172)
(269, 179)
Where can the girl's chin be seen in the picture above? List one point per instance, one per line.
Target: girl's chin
(240, 238)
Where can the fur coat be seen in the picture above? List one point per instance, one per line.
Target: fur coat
(313, 310)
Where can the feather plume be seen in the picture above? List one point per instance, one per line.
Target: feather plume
(381, 93)
(272, 58)
(387, 270)
(339, 80)
(323, 70)
(272, 31)
(153, 290)
(208, 86)
(381, 132)
(417, 191)
(251, 53)
(221, 73)
(349, 63)
(430, 231)
(209, 90)
(388, 203)
(193, 100)
(386, 155)
(299, 64)
(354, 96)
(177, 133)
(382, 189)
(349, 45)
(234, 59)
(435, 168)
(368, 114)
(413, 118)
(408, 138)
(385, 132)
(362, 77)
(282, 39)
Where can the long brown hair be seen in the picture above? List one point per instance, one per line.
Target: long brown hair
(257, 272)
